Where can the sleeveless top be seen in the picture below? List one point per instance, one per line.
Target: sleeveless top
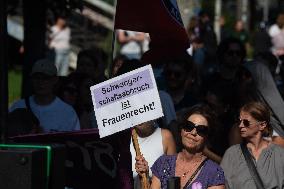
(152, 148)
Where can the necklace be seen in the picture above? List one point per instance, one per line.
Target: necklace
(193, 165)
(184, 174)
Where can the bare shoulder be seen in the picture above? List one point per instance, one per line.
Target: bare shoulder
(166, 134)
(168, 142)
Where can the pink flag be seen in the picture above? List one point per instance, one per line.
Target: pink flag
(161, 19)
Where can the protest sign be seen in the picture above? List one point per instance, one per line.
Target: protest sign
(125, 101)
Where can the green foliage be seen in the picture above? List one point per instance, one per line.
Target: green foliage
(14, 85)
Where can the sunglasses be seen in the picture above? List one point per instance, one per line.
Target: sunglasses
(202, 130)
(246, 122)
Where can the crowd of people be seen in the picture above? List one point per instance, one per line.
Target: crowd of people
(223, 123)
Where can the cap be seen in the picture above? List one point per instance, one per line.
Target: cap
(44, 66)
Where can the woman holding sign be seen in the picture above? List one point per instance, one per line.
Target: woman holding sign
(153, 142)
(191, 165)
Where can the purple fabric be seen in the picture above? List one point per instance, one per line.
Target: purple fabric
(211, 173)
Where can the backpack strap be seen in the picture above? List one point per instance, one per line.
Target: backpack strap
(27, 101)
(251, 166)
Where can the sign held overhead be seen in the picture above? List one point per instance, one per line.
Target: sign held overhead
(125, 101)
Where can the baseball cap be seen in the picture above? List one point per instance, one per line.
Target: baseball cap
(44, 66)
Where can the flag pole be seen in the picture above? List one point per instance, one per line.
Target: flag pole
(144, 181)
(113, 43)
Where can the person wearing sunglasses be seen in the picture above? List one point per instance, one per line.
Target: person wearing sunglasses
(191, 165)
(52, 113)
(223, 85)
(267, 157)
(153, 142)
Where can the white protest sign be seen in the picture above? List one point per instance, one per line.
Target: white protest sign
(125, 101)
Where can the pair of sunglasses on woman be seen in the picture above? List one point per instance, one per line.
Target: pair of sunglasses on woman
(202, 130)
(247, 123)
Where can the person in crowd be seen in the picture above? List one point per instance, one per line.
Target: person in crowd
(209, 40)
(52, 113)
(277, 35)
(241, 34)
(191, 165)
(67, 90)
(266, 157)
(231, 54)
(91, 63)
(132, 43)
(117, 63)
(153, 142)
(84, 104)
(180, 75)
(193, 32)
(224, 30)
(75, 91)
(258, 84)
(207, 33)
(275, 28)
(218, 101)
(213, 146)
(262, 40)
(59, 40)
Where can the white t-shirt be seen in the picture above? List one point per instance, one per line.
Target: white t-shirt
(277, 37)
(57, 116)
(131, 47)
(152, 148)
(274, 30)
(60, 39)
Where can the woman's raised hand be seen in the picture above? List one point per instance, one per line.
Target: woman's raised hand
(141, 165)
